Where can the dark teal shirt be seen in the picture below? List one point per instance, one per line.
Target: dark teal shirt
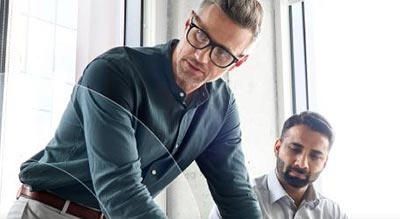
(127, 133)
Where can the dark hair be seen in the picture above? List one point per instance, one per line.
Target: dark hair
(246, 13)
(312, 120)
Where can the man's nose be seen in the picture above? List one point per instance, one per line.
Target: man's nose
(203, 55)
(302, 161)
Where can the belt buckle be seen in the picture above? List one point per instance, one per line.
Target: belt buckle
(23, 186)
(19, 192)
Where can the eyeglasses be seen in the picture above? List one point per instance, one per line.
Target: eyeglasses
(199, 39)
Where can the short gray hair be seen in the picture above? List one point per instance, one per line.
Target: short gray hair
(246, 13)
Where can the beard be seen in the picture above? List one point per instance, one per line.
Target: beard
(185, 78)
(296, 182)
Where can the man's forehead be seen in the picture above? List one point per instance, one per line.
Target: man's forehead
(303, 135)
(213, 20)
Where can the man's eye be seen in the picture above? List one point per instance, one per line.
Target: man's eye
(294, 149)
(201, 37)
(315, 156)
(221, 54)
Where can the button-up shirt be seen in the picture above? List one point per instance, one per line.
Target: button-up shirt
(128, 132)
(275, 203)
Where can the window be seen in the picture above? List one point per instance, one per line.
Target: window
(39, 75)
(133, 23)
(299, 57)
(3, 43)
(353, 81)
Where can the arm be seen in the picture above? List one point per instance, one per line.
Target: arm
(223, 164)
(104, 99)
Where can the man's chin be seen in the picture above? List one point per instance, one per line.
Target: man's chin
(298, 186)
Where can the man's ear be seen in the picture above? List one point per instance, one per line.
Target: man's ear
(187, 22)
(238, 63)
(277, 146)
(326, 161)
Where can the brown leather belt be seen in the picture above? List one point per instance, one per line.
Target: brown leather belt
(60, 204)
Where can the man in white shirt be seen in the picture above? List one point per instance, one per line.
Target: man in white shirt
(301, 153)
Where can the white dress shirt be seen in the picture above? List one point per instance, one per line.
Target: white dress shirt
(275, 203)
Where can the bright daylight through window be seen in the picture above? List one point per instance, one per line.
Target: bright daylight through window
(354, 82)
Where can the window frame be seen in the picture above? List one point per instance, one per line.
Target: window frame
(4, 8)
(299, 61)
(133, 37)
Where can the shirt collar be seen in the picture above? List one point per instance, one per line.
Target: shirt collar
(312, 197)
(276, 190)
(311, 194)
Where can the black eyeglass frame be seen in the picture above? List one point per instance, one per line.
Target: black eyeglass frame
(210, 43)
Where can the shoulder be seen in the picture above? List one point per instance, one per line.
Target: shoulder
(331, 206)
(126, 62)
(221, 96)
(260, 183)
(326, 201)
(123, 55)
(220, 86)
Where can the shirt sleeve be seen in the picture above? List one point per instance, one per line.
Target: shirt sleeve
(223, 165)
(104, 101)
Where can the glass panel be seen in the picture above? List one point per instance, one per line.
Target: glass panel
(355, 85)
(43, 10)
(67, 13)
(39, 77)
(299, 64)
(40, 43)
(133, 20)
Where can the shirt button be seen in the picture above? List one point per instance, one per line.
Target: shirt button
(153, 172)
(177, 145)
(181, 94)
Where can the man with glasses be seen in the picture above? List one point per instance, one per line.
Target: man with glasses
(139, 116)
